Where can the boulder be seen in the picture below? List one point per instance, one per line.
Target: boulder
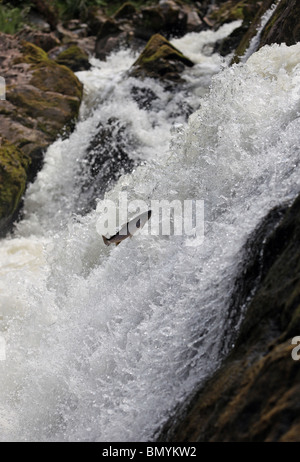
(74, 58)
(169, 19)
(160, 59)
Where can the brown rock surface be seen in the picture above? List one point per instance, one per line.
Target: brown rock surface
(42, 99)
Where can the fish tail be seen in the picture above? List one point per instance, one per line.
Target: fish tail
(105, 240)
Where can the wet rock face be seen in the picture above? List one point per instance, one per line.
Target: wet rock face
(254, 396)
(160, 60)
(42, 101)
(106, 159)
(284, 26)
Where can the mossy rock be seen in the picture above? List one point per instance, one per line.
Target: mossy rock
(160, 59)
(32, 54)
(125, 11)
(51, 110)
(42, 102)
(56, 78)
(13, 175)
(74, 58)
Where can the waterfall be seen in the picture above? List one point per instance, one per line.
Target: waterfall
(103, 342)
(254, 42)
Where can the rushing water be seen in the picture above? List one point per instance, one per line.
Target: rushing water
(103, 342)
(254, 43)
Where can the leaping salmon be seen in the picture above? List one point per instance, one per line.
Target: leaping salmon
(129, 229)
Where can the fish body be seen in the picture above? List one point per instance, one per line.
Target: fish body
(129, 229)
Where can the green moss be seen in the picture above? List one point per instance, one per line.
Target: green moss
(72, 52)
(32, 54)
(28, 98)
(74, 58)
(51, 110)
(56, 78)
(13, 167)
(160, 48)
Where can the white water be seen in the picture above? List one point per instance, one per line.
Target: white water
(102, 342)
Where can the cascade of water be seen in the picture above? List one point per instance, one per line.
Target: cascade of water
(101, 342)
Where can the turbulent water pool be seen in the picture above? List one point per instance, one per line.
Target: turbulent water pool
(101, 343)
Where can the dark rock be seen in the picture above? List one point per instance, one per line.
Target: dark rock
(254, 395)
(108, 44)
(107, 158)
(127, 10)
(251, 31)
(160, 60)
(230, 43)
(109, 38)
(284, 26)
(168, 18)
(108, 28)
(176, 18)
(143, 96)
(74, 58)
